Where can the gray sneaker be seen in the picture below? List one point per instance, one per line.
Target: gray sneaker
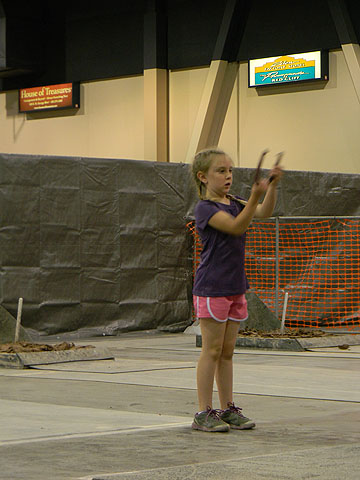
(210, 421)
(233, 416)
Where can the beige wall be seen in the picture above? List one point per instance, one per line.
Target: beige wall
(185, 88)
(109, 123)
(317, 126)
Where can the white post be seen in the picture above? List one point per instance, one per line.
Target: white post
(284, 312)
(18, 320)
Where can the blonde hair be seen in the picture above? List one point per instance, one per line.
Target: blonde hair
(201, 163)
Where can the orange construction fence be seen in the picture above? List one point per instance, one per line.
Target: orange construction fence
(316, 260)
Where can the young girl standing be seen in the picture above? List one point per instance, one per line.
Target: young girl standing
(220, 281)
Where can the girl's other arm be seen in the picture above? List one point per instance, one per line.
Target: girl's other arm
(238, 225)
(266, 208)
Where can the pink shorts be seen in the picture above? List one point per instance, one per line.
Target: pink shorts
(221, 308)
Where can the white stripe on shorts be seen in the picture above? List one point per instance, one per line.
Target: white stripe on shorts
(211, 313)
(238, 319)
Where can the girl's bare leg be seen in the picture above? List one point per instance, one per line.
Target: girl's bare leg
(224, 367)
(212, 333)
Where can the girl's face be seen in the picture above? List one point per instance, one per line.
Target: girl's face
(218, 178)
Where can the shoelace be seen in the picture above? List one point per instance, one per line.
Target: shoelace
(233, 408)
(211, 412)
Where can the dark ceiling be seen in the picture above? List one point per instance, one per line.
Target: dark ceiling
(45, 42)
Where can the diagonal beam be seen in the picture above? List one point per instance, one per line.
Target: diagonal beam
(213, 106)
(220, 79)
(349, 42)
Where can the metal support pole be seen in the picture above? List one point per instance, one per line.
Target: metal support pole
(277, 267)
(18, 320)
(282, 328)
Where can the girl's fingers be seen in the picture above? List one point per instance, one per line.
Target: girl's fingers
(261, 186)
(276, 173)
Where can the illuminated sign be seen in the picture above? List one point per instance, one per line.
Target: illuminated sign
(50, 97)
(298, 67)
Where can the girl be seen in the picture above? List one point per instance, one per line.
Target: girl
(220, 281)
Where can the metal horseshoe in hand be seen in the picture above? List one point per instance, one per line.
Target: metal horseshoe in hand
(258, 170)
(278, 160)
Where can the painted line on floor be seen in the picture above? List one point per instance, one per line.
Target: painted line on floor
(97, 434)
(152, 471)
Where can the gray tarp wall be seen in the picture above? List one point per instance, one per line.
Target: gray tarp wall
(100, 246)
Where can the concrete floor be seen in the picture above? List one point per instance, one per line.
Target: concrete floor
(130, 418)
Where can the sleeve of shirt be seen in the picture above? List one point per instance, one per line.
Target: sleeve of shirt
(204, 210)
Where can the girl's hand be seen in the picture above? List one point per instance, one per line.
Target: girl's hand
(259, 188)
(275, 174)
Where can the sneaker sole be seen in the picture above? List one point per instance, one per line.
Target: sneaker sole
(220, 428)
(246, 426)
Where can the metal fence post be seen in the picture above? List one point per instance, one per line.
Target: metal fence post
(277, 267)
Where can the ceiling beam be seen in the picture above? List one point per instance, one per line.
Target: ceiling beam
(220, 79)
(349, 42)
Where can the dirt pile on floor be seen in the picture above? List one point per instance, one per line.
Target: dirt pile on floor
(287, 333)
(21, 347)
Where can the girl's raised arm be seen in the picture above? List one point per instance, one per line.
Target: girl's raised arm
(238, 225)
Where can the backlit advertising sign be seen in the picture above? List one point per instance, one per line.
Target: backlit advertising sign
(49, 97)
(298, 67)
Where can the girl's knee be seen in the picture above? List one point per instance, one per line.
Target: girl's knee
(227, 352)
(214, 352)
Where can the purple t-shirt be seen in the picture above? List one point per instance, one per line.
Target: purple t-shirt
(221, 272)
